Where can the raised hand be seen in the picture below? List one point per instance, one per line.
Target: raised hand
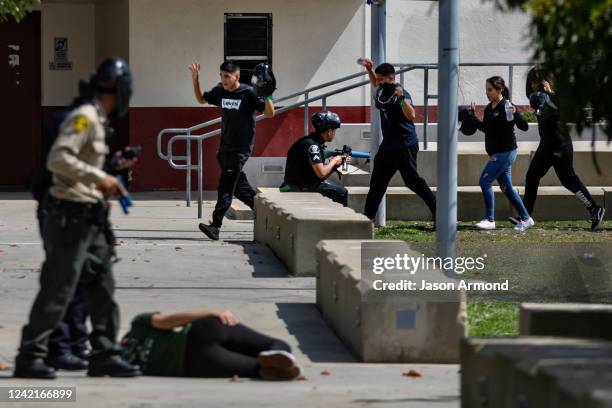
(195, 68)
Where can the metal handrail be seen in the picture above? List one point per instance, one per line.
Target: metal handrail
(186, 133)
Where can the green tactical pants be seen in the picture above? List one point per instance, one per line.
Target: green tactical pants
(72, 240)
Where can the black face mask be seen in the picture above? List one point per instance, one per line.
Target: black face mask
(385, 96)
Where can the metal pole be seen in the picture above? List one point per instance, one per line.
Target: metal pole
(378, 39)
(324, 104)
(510, 79)
(188, 181)
(425, 106)
(306, 118)
(200, 177)
(448, 71)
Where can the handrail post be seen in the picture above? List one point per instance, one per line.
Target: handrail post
(510, 81)
(188, 180)
(200, 177)
(306, 114)
(425, 106)
(324, 104)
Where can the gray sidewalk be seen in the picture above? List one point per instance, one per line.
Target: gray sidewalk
(168, 266)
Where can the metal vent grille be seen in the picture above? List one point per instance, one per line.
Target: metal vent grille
(273, 168)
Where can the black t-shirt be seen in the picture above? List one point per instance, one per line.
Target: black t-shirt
(238, 116)
(553, 133)
(301, 156)
(498, 127)
(398, 131)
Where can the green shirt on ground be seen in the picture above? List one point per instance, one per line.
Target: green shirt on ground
(156, 351)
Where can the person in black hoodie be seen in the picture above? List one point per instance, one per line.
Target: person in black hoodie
(500, 117)
(555, 149)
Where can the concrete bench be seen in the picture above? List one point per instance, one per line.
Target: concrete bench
(584, 383)
(501, 372)
(566, 320)
(291, 224)
(402, 328)
(563, 383)
(553, 204)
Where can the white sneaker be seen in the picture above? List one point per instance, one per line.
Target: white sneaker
(278, 365)
(486, 225)
(524, 224)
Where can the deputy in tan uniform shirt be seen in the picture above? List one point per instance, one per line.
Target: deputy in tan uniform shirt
(76, 230)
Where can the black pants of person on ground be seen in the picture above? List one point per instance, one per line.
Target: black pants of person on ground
(332, 191)
(386, 163)
(70, 335)
(217, 350)
(562, 160)
(73, 234)
(233, 182)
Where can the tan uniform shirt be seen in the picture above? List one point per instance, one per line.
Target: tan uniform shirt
(78, 154)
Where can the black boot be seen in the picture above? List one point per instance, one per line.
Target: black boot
(210, 231)
(36, 368)
(113, 366)
(68, 361)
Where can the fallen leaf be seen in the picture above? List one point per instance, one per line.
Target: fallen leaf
(325, 372)
(3, 366)
(301, 378)
(412, 373)
(178, 248)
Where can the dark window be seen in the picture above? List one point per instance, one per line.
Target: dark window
(248, 41)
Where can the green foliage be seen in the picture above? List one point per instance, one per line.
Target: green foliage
(18, 9)
(573, 40)
(492, 319)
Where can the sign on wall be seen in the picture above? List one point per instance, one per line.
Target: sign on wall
(60, 55)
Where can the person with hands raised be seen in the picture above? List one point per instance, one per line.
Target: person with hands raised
(400, 146)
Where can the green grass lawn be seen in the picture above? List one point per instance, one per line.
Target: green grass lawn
(544, 244)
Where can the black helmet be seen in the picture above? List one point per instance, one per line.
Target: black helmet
(325, 120)
(533, 75)
(385, 96)
(468, 124)
(263, 80)
(113, 76)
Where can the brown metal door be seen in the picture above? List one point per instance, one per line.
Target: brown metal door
(20, 100)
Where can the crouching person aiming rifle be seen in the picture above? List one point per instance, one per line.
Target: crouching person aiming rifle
(306, 170)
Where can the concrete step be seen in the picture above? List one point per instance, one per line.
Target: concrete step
(270, 171)
(472, 159)
(553, 204)
(239, 211)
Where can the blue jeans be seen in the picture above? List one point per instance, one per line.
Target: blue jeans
(499, 167)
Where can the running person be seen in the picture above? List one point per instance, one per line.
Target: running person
(238, 103)
(500, 117)
(400, 145)
(205, 344)
(306, 170)
(555, 149)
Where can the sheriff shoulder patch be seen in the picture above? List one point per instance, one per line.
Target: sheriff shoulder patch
(81, 123)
